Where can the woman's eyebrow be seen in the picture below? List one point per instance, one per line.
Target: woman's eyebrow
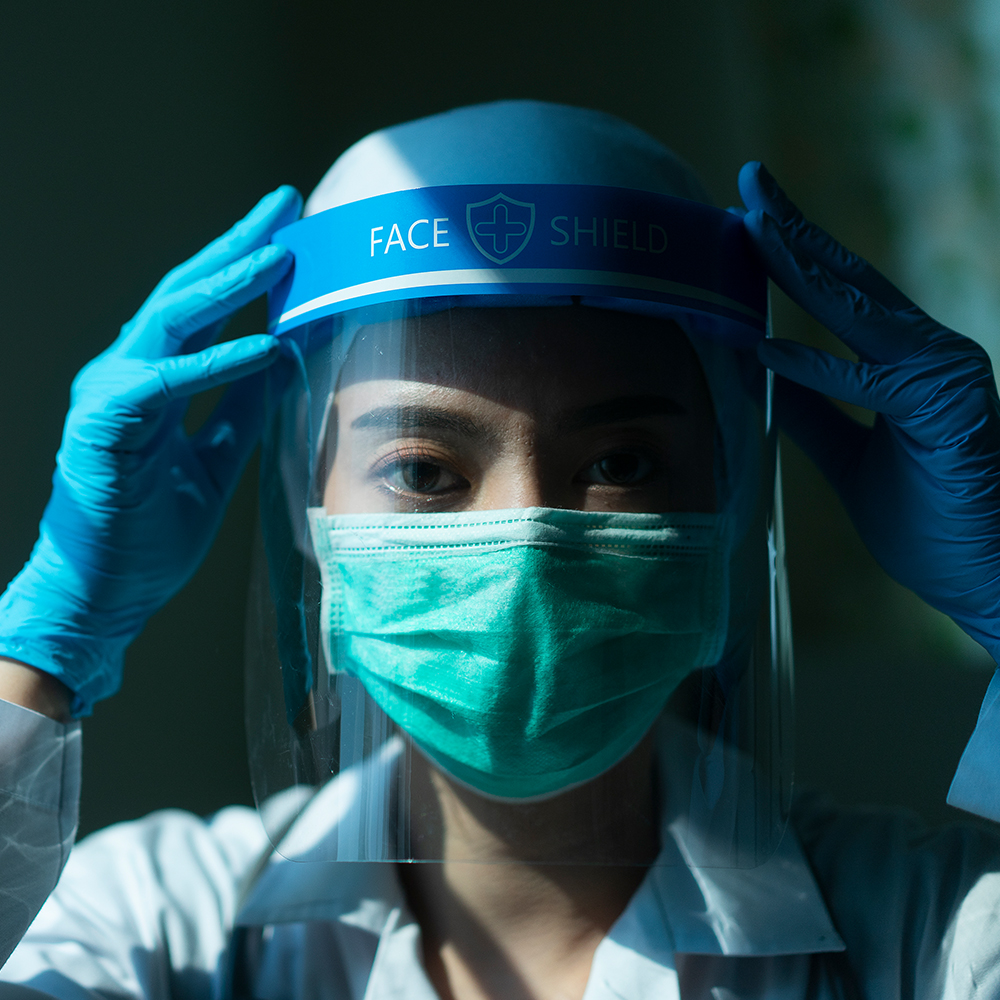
(615, 411)
(416, 418)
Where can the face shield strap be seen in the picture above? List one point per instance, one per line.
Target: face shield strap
(609, 247)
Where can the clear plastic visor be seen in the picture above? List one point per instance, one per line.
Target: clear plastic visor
(519, 593)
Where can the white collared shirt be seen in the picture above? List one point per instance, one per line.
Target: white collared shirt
(146, 909)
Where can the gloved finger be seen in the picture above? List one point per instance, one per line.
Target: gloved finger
(169, 327)
(182, 376)
(831, 439)
(861, 322)
(279, 208)
(224, 442)
(874, 387)
(761, 191)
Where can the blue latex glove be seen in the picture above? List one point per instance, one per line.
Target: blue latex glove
(135, 501)
(923, 485)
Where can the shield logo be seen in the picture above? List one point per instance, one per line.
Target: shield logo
(500, 227)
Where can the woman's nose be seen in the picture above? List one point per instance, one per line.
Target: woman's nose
(521, 483)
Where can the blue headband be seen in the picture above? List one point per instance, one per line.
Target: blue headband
(611, 247)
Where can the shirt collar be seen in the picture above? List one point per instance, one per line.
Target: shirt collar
(689, 901)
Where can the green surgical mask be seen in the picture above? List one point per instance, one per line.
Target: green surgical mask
(524, 651)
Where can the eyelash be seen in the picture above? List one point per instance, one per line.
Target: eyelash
(400, 456)
(408, 456)
(652, 461)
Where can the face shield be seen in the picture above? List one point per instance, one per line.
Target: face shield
(520, 533)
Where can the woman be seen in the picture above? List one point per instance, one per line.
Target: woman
(518, 658)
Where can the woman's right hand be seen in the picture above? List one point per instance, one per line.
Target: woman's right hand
(136, 502)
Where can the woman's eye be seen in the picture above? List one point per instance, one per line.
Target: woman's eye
(623, 468)
(417, 476)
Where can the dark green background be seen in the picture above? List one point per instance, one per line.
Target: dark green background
(134, 133)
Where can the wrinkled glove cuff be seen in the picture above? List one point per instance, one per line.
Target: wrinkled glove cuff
(45, 622)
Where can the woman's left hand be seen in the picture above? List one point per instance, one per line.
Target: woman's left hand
(922, 485)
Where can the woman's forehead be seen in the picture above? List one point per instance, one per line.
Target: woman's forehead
(519, 352)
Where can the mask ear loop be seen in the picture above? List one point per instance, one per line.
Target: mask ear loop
(289, 459)
(718, 781)
(339, 726)
(281, 491)
(337, 334)
(290, 464)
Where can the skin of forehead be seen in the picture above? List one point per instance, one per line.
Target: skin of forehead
(528, 358)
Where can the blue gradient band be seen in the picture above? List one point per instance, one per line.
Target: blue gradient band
(614, 247)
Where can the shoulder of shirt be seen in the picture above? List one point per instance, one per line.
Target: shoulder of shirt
(888, 877)
(235, 830)
(175, 852)
(828, 830)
